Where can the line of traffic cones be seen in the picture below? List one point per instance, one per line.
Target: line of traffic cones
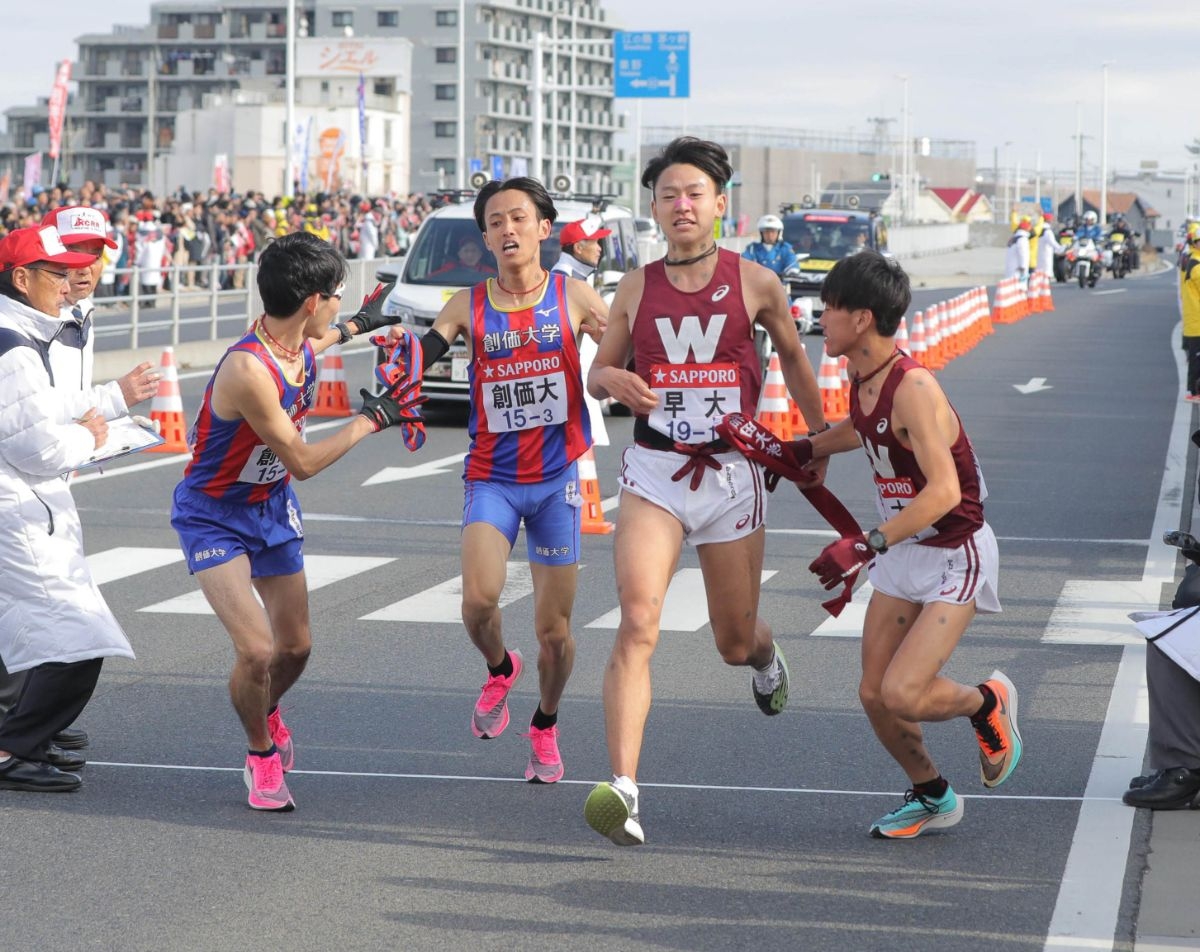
(834, 403)
(774, 403)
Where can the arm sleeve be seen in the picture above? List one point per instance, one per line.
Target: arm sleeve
(433, 349)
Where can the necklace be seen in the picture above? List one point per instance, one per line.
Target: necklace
(541, 280)
(892, 356)
(283, 351)
(679, 262)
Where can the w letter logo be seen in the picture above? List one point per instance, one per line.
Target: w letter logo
(702, 342)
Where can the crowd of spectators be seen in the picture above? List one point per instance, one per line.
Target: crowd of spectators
(197, 230)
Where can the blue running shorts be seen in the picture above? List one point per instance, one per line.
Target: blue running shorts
(551, 509)
(212, 532)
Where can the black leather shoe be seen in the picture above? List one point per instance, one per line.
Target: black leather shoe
(63, 759)
(72, 738)
(1143, 780)
(1175, 788)
(18, 774)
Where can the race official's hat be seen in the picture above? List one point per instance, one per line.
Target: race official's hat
(586, 229)
(79, 223)
(26, 246)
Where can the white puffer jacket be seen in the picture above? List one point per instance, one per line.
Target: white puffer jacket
(50, 608)
(72, 356)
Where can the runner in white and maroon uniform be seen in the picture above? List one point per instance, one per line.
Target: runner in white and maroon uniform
(688, 321)
(932, 559)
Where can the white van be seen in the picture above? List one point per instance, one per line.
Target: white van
(440, 262)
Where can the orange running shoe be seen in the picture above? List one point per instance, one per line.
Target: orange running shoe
(999, 738)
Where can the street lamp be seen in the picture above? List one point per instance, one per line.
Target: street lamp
(905, 154)
(460, 158)
(1004, 162)
(1104, 147)
(289, 121)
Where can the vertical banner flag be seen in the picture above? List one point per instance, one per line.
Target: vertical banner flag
(58, 106)
(221, 172)
(5, 183)
(304, 155)
(333, 146)
(362, 125)
(497, 167)
(33, 173)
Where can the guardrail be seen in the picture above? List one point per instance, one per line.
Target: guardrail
(202, 303)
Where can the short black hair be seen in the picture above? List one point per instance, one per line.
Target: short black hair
(871, 281)
(709, 157)
(292, 267)
(530, 186)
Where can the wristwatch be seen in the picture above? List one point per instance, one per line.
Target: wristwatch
(877, 541)
(344, 332)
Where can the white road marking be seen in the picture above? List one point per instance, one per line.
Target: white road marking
(684, 609)
(434, 467)
(320, 570)
(849, 624)
(124, 561)
(1089, 897)
(442, 604)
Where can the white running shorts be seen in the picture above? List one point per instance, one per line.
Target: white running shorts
(923, 573)
(730, 503)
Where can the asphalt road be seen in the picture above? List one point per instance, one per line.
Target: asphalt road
(411, 834)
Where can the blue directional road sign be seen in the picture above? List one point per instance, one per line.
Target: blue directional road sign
(650, 64)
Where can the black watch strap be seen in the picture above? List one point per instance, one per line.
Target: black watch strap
(344, 332)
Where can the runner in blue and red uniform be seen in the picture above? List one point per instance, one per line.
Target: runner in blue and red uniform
(932, 560)
(528, 425)
(689, 321)
(235, 511)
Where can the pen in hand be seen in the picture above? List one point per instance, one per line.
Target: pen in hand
(93, 421)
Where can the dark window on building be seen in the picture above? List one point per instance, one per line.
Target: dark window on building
(387, 18)
(445, 17)
(445, 91)
(343, 18)
(445, 130)
(446, 54)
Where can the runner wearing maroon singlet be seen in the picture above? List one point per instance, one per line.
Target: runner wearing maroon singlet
(932, 559)
(688, 321)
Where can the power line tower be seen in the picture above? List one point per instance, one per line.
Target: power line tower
(882, 137)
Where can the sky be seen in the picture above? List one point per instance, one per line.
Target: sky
(1015, 78)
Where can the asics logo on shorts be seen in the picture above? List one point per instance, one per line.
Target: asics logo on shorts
(741, 523)
(720, 292)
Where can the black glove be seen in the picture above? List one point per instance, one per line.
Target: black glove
(396, 405)
(370, 316)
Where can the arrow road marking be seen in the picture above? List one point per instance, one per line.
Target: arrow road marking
(435, 467)
(1035, 384)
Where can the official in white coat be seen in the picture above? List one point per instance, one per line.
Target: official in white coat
(54, 622)
(1047, 246)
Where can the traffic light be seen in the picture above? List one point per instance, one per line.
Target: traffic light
(880, 177)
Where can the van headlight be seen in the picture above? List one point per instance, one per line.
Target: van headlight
(401, 311)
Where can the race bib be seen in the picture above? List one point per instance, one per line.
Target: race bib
(522, 393)
(263, 466)
(693, 398)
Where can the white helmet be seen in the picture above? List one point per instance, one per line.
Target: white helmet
(1090, 217)
(770, 221)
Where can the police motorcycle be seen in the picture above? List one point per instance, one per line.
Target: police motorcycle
(1062, 266)
(1086, 261)
(1119, 253)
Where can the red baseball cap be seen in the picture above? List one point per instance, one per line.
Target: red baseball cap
(79, 223)
(26, 246)
(587, 229)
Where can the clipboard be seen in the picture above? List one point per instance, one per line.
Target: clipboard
(126, 435)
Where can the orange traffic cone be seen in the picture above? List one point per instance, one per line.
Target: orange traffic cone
(773, 410)
(902, 336)
(829, 379)
(594, 522)
(333, 399)
(166, 409)
(917, 344)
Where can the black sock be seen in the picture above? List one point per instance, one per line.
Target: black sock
(272, 709)
(263, 753)
(989, 703)
(504, 668)
(933, 789)
(542, 720)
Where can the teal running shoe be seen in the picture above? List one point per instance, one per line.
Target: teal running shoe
(918, 814)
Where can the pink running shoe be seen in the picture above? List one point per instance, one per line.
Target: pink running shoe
(282, 738)
(545, 764)
(268, 789)
(490, 716)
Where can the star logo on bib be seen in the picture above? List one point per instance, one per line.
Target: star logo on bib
(659, 376)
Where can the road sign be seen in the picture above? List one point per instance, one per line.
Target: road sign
(650, 65)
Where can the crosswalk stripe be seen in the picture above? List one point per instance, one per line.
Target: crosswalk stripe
(124, 561)
(849, 624)
(684, 609)
(320, 570)
(442, 604)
